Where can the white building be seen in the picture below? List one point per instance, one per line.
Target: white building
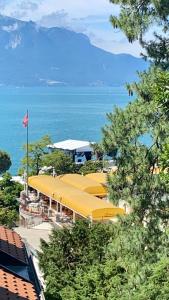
(79, 150)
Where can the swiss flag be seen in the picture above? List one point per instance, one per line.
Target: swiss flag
(25, 120)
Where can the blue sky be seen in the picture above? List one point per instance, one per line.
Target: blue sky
(88, 16)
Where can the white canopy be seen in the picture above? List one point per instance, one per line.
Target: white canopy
(71, 145)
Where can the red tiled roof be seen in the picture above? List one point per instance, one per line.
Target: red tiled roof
(11, 243)
(15, 288)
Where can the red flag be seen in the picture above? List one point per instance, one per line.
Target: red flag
(25, 120)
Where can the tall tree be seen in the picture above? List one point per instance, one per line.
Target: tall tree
(146, 117)
(36, 150)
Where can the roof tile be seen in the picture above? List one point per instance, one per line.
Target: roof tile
(15, 288)
(11, 243)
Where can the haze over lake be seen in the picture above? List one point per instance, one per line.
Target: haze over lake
(61, 112)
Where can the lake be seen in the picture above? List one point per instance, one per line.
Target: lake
(61, 112)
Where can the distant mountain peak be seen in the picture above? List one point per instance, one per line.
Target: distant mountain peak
(32, 55)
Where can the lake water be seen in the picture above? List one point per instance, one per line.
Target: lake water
(63, 113)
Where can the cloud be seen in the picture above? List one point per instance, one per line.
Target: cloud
(56, 19)
(3, 3)
(76, 8)
(21, 9)
(28, 5)
(62, 19)
(24, 9)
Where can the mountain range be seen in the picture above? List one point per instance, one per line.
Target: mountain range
(31, 55)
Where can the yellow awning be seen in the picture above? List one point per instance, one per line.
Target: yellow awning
(98, 177)
(78, 201)
(84, 184)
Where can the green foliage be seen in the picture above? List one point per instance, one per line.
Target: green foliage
(8, 186)
(103, 262)
(71, 252)
(9, 206)
(160, 90)
(5, 162)
(134, 181)
(154, 86)
(157, 284)
(91, 167)
(36, 151)
(61, 162)
(8, 217)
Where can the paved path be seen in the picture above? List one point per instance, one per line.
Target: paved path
(35, 234)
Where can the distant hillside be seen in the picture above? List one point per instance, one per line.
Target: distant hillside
(31, 56)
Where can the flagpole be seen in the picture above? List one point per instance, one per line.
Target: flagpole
(27, 155)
